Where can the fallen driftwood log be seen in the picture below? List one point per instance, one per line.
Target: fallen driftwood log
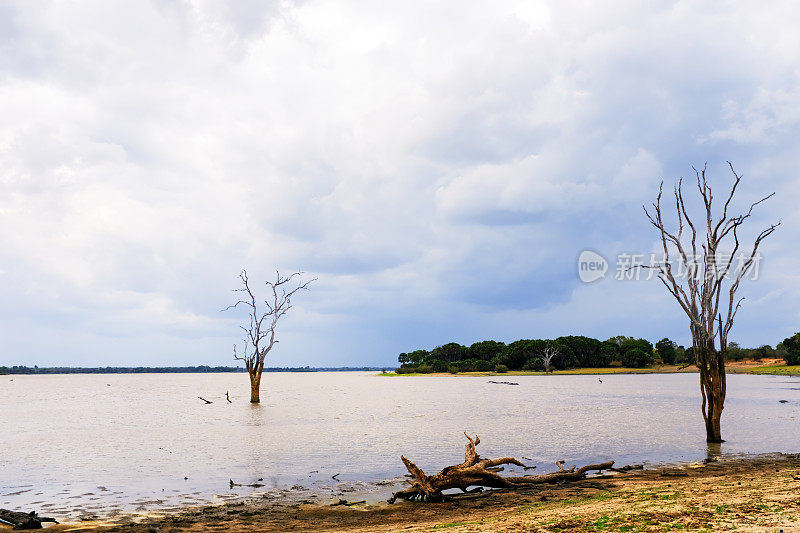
(347, 503)
(23, 520)
(627, 468)
(477, 472)
(503, 382)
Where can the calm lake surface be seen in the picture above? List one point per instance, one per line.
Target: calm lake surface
(71, 445)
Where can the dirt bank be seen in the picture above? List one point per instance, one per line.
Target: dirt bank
(751, 494)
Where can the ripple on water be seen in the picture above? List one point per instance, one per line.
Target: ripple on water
(132, 445)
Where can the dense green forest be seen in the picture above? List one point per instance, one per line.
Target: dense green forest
(574, 352)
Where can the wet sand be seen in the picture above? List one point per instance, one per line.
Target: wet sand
(746, 494)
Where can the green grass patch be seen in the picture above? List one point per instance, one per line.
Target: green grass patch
(448, 525)
(778, 370)
(601, 523)
(451, 524)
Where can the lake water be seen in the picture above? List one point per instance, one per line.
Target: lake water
(76, 444)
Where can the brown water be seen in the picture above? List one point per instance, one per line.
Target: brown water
(101, 444)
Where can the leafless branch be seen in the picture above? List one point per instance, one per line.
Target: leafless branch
(548, 354)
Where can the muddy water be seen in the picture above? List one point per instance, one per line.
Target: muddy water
(74, 445)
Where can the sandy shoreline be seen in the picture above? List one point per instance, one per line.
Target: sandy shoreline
(759, 493)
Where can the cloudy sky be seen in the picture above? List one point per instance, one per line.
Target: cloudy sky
(438, 166)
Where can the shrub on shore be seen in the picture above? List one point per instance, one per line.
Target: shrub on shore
(791, 350)
(666, 351)
(421, 369)
(636, 358)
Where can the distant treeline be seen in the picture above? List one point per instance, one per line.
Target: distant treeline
(166, 369)
(571, 352)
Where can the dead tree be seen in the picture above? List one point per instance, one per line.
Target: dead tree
(260, 333)
(477, 472)
(549, 353)
(705, 260)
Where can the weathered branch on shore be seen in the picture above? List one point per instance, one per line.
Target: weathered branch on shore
(23, 520)
(477, 472)
(347, 503)
(254, 485)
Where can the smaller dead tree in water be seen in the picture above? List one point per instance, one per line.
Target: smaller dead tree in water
(260, 334)
(477, 472)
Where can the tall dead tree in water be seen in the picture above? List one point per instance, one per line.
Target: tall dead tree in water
(705, 259)
(260, 333)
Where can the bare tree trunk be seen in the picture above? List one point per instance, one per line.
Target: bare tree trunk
(713, 428)
(255, 386)
(712, 388)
